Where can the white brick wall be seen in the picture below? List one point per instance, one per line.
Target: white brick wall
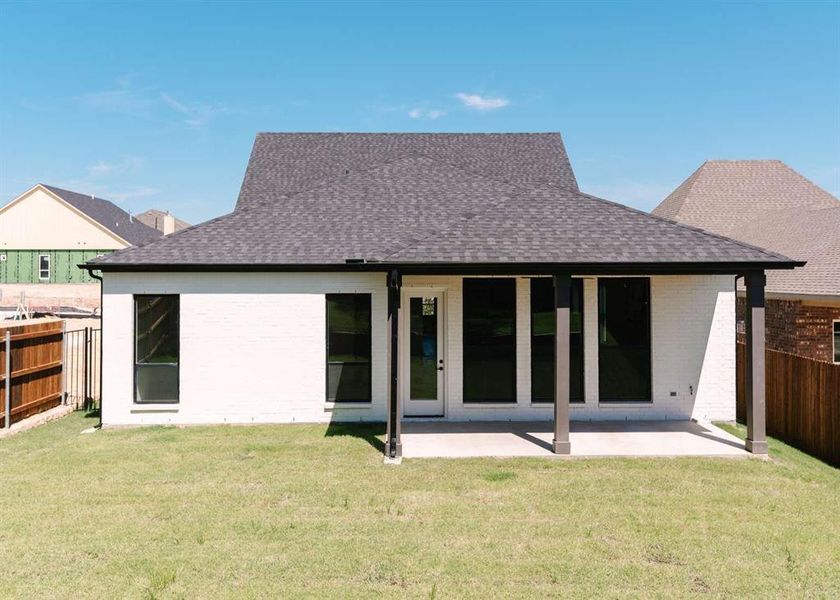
(253, 349)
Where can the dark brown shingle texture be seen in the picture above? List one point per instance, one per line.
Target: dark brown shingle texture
(411, 207)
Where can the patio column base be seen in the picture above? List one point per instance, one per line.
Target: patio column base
(756, 447)
(561, 447)
(395, 451)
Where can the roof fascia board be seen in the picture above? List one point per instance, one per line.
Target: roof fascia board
(697, 268)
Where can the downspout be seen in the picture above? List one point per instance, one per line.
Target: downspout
(101, 340)
(735, 291)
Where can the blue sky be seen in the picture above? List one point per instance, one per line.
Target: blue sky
(157, 104)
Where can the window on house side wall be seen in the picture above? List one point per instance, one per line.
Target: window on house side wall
(348, 348)
(44, 267)
(156, 349)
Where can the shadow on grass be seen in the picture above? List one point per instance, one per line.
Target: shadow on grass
(92, 414)
(372, 433)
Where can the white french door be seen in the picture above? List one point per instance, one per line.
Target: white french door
(423, 353)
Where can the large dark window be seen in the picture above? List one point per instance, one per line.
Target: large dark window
(542, 341)
(489, 340)
(156, 349)
(624, 372)
(348, 348)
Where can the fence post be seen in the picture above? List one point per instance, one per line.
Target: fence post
(85, 371)
(63, 363)
(8, 422)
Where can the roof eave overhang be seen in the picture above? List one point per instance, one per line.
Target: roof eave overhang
(474, 268)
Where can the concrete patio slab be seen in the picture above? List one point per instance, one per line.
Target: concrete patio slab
(590, 438)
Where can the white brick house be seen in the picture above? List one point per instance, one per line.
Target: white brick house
(376, 277)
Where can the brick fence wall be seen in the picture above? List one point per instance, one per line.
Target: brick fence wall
(796, 328)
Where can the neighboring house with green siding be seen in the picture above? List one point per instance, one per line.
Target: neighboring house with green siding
(46, 232)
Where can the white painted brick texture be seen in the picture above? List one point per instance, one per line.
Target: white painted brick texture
(253, 349)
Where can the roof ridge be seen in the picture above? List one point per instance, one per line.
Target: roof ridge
(404, 133)
(56, 189)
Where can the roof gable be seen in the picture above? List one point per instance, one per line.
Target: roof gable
(108, 215)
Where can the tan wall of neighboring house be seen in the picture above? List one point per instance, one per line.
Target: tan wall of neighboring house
(796, 327)
(40, 221)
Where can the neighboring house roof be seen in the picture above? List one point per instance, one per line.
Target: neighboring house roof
(767, 204)
(282, 164)
(154, 218)
(420, 210)
(109, 215)
(812, 235)
(723, 194)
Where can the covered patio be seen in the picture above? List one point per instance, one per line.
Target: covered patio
(562, 436)
(587, 439)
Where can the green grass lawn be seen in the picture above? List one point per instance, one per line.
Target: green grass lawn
(286, 511)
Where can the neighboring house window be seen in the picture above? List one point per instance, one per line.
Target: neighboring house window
(348, 348)
(837, 341)
(489, 340)
(624, 363)
(44, 267)
(156, 349)
(542, 340)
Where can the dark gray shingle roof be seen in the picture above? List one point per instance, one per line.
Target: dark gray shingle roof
(109, 215)
(422, 210)
(282, 164)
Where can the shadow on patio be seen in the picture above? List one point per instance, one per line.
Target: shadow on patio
(588, 438)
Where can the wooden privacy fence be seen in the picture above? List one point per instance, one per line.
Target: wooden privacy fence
(803, 402)
(31, 357)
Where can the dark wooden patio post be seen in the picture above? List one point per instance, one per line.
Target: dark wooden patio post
(562, 303)
(393, 446)
(754, 388)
